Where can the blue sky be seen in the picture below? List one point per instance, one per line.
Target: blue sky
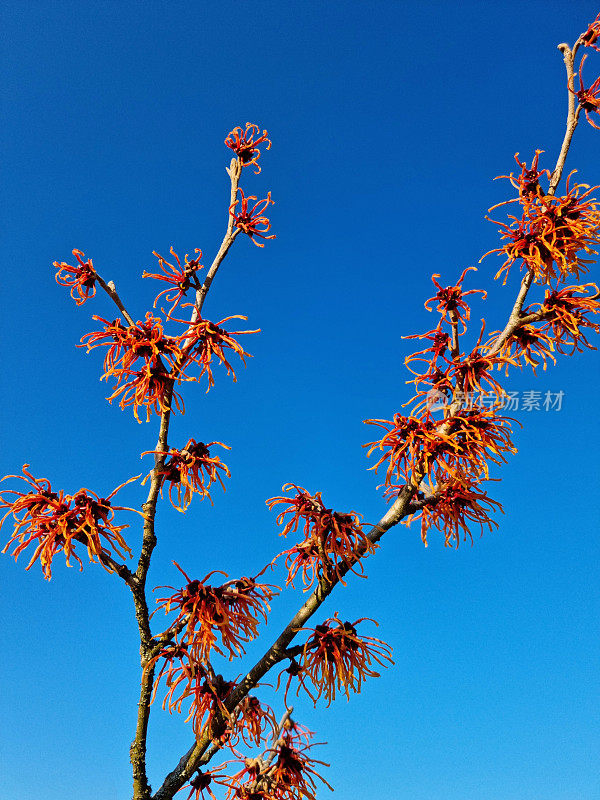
(388, 121)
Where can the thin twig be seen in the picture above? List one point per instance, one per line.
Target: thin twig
(454, 345)
(147, 643)
(572, 114)
(111, 291)
(234, 171)
(515, 319)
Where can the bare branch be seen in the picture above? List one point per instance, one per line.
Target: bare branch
(111, 291)
(572, 115)
(147, 643)
(455, 345)
(234, 171)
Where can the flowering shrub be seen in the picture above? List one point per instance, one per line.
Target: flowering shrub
(435, 461)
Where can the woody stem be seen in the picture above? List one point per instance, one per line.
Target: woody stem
(141, 787)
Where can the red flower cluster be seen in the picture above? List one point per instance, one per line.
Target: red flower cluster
(218, 618)
(450, 299)
(566, 316)
(81, 279)
(145, 340)
(454, 506)
(164, 358)
(248, 219)
(333, 542)
(204, 339)
(188, 680)
(179, 277)
(554, 234)
(591, 35)
(335, 658)
(54, 523)
(451, 455)
(245, 145)
(460, 445)
(288, 773)
(149, 386)
(190, 470)
(588, 99)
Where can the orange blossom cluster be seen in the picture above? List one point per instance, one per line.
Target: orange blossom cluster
(163, 358)
(54, 522)
(555, 234)
(244, 144)
(248, 219)
(333, 541)
(190, 470)
(179, 277)
(287, 774)
(218, 618)
(335, 658)
(81, 279)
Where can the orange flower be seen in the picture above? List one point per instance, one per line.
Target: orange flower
(81, 279)
(248, 220)
(453, 506)
(295, 733)
(150, 388)
(437, 393)
(591, 35)
(180, 278)
(186, 679)
(252, 722)
(336, 658)
(204, 339)
(474, 372)
(126, 344)
(54, 523)
(192, 470)
(461, 444)
(589, 99)
(152, 385)
(526, 342)
(553, 235)
(403, 444)
(201, 782)
(528, 182)
(232, 611)
(450, 299)
(287, 774)
(476, 436)
(440, 342)
(245, 146)
(291, 776)
(177, 666)
(207, 697)
(333, 542)
(566, 315)
(435, 379)
(293, 670)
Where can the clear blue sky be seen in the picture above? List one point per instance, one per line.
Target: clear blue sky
(389, 121)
